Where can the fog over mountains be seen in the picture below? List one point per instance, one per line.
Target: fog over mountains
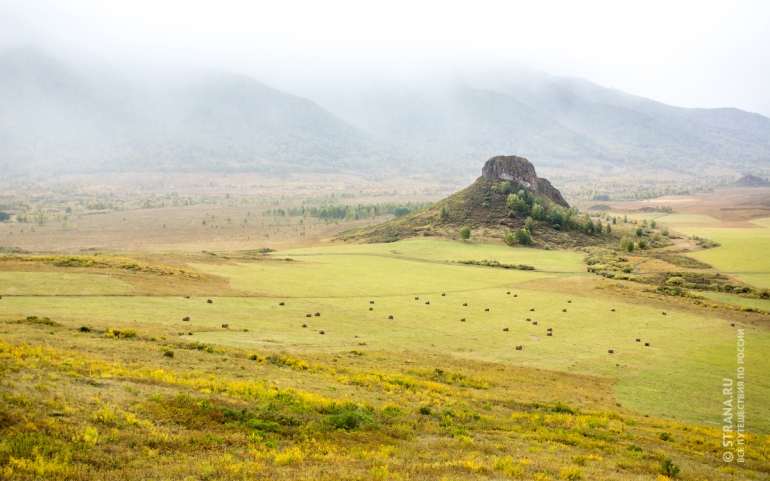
(55, 119)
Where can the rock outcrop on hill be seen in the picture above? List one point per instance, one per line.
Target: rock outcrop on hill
(484, 207)
(519, 170)
(751, 181)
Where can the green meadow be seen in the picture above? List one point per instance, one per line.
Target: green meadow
(339, 283)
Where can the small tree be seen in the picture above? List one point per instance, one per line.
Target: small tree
(444, 213)
(625, 219)
(465, 233)
(609, 229)
(509, 239)
(523, 236)
(505, 188)
(665, 232)
(639, 232)
(643, 244)
(599, 226)
(514, 202)
(627, 244)
(653, 224)
(614, 220)
(538, 212)
(529, 224)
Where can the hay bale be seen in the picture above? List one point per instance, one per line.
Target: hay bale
(209, 302)
(304, 325)
(186, 297)
(486, 310)
(465, 304)
(416, 298)
(515, 295)
(532, 310)
(611, 351)
(186, 319)
(226, 326)
(613, 309)
(549, 329)
(519, 348)
(508, 292)
(534, 323)
(462, 320)
(317, 314)
(443, 294)
(732, 324)
(308, 315)
(505, 329)
(664, 313)
(390, 317)
(371, 302)
(638, 340)
(563, 310)
(321, 332)
(427, 303)
(569, 301)
(647, 344)
(529, 320)
(280, 303)
(371, 308)
(549, 333)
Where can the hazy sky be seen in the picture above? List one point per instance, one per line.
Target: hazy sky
(692, 54)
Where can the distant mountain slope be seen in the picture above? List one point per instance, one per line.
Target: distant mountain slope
(556, 119)
(52, 119)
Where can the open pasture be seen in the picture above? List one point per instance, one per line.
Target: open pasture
(340, 287)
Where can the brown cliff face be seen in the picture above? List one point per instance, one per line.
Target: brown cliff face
(519, 170)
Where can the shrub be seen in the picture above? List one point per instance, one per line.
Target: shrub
(465, 233)
(523, 236)
(627, 244)
(505, 188)
(664, 436)
(529, 224)
(668, 468)
(643, 244)
(509, 239)
(168, 353)
(424, 410)
(348, 420)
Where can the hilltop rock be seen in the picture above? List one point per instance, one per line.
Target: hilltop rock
(519, 170)
(751, 181)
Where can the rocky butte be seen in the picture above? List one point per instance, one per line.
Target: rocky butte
(519, 170)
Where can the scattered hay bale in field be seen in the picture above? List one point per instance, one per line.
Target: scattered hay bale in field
(508, 292)
(486, 309)
(304, 325)
(611, 351)
(390, 317)
(226, 326)
(532, 309)
(534, 323)
(549, 333)
(317, 314)
(465, 304)
(638, 340)
(186, 297)
(613, 309)
(549, 329)
(563, 310)
(186, 319)
(505, 329)
(462, 319)
(647, 344)
(416, 298)
(308, 315)
(280, 303)
(515, 295)
(569, 301)
(371, 308)
(732, 324)
(321, 332)
(209, 302)
(519, 348)
(189, 333)
(371, 302)
(427, 303)
(664, 313)
(443, 294)
(529, 319)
